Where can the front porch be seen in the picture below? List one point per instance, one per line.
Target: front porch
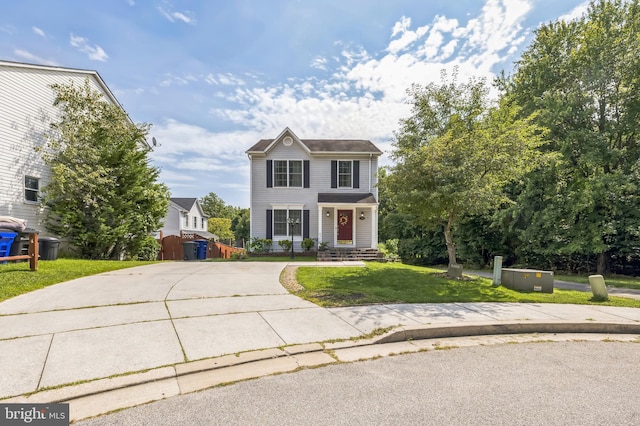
(348, 222)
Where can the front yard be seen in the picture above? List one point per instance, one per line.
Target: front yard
(398, 283)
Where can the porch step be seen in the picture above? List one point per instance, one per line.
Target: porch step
(338, 255)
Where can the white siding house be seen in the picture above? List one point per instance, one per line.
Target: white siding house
(315, 188)
(185, 216)
(26, 111)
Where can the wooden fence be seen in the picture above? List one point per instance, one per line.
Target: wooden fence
(172, 249)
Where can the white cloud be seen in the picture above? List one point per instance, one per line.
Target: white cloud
(95, 53)
(319, 63)
(576, 12)
(39, 32)
(180, 80)
(29, 57)
(362, 95)
(176, 16)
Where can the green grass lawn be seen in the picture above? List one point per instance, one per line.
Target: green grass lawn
(17, 278)
(610, 280)
(398, 283)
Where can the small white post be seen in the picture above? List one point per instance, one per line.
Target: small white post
(497, 271)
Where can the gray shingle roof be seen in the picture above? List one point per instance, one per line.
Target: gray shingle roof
(317, 146)
(363, 198)
(185, 203)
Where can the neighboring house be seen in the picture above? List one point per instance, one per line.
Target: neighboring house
(26, 111)
(185, 217)
(315, 188)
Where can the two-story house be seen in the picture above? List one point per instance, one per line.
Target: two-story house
(315, 188)
(26, 111)
(185, 217)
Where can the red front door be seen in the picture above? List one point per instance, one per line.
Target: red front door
(345, 227)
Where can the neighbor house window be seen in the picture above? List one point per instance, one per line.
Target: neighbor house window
(186, 220)
(31, 188)
(203, 222)
(287, 173)
(344, 174)
(281, 225)
(195, 222)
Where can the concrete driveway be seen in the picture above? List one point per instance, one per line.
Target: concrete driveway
(150, 316)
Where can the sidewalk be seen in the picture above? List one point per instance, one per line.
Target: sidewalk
(167, 321)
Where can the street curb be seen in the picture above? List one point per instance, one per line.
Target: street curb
(102, 396)
(422, 332)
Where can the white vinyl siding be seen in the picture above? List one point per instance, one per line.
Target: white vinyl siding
(26, 111)
(264, 198)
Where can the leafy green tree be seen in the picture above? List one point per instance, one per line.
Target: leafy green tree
(456, 152)
(221, 227)
(214, 206)
(583, 79)
(240, 225)
(103, 194)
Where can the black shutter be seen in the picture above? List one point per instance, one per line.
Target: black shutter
(269, 173)
(269, 224)
(305, 224)
(356, 174)
(306, 173)
(334, 174)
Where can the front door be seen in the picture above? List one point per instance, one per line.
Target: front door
(345, 227)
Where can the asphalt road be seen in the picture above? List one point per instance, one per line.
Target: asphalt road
(562, 383)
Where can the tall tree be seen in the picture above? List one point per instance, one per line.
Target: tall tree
(456, 152)
(103, 194)
(583, 79)
(240, 225)
(221, 227)
(214, 206)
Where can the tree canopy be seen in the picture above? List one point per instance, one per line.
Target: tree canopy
(456, 152)
(582, 78)
(103, 194)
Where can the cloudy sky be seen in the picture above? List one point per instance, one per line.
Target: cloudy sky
(215, 76)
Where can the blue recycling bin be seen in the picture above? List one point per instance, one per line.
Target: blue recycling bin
(6, 240)
(202, 249)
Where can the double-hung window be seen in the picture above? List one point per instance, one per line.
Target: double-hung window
(203, 222)
(195, 222)
(31, 189)
(287, 173)
(186, 221)
(281, 225)
(345, 174)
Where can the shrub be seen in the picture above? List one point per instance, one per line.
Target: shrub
(238, 255)
(285, 244)
(261, 245)
(307, 244)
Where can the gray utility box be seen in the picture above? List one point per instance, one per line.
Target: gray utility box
(528, 280)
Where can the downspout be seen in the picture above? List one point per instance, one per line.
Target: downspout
(250, 201)
(370, 155)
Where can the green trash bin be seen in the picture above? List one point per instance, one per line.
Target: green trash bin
(190, 249)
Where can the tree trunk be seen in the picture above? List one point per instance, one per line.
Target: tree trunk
(602, 266)
(451, 248)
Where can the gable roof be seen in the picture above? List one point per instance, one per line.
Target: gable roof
(92, 73)
(319, 146)
(186, 204)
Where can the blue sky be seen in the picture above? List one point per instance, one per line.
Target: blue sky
(213, 77)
